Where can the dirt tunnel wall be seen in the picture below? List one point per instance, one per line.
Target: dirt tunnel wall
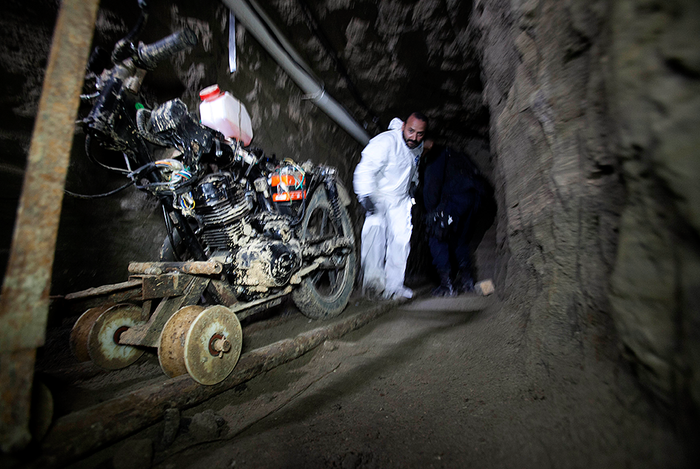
(592, 106)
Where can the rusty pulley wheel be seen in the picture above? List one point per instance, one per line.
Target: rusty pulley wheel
(81, 331)
(103, 341)
(171, 345)
(206, 344)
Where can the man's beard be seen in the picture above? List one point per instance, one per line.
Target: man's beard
(411, 143)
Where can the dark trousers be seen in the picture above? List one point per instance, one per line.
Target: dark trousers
(455, 246)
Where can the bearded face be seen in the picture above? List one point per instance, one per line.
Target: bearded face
(413, 132)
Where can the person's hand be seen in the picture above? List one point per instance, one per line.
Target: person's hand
(438, 224)
(368, 205)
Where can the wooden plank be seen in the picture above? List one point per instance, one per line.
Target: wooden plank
(209, 267)
(104, 290)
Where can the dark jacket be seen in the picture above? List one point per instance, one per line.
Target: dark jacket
(452, 184)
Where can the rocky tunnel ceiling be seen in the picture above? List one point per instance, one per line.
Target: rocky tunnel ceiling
(384, 58)
(379, 58)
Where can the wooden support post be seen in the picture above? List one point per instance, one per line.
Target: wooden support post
(24, 302)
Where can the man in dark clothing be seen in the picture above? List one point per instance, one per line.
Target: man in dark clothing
(452, 193)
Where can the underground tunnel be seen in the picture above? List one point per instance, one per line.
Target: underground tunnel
(581, 117)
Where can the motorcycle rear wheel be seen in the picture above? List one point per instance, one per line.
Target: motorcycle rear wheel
(324, 293)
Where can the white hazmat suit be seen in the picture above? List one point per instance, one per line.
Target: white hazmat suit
(384, 174)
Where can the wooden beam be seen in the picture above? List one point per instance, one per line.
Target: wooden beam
(24, 302)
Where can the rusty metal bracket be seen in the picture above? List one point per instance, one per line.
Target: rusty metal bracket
(148, 334)
(223, 292)
(244, 310)
(24, 302)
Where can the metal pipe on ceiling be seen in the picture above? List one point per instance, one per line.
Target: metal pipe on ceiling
(280, 49)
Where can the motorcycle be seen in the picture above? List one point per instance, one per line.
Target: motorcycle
(243, 229)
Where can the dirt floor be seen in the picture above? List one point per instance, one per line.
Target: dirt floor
(430, 383)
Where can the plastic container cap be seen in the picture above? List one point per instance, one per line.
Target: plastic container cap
(210, 92)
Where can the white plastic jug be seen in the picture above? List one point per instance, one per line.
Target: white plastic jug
(222, 112)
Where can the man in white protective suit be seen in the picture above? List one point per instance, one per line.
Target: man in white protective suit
(382, 184)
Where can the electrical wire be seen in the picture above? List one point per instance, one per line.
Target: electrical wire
(132, 175)
(97, 196)
(91, 157)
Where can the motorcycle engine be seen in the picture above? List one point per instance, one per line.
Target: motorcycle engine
(264, 253)
(221, 206)
(265, 264)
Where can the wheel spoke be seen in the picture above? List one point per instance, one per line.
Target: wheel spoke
(316, 277)
(333, 279)
(324, 222)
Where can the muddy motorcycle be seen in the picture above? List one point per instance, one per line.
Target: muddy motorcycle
(244, 231)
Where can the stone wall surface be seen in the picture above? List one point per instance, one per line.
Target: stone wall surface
(592, 109)
(559, 189)
(655, 90)
(398, 56)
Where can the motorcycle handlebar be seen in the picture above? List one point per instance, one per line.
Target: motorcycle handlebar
(150, 54)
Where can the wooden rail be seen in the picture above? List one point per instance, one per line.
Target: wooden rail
(85, 431)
